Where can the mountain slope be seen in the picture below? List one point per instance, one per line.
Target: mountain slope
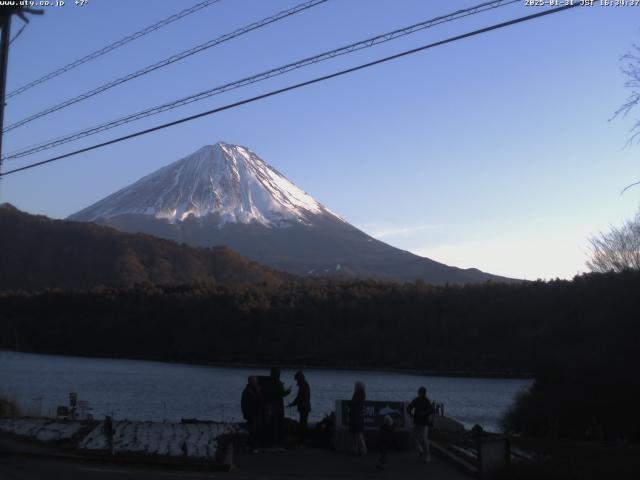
(226, 195)
(226, 180)
(39, 253)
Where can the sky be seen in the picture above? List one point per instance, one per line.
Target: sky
(496, 152)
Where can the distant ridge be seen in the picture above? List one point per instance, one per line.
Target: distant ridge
(38, 253)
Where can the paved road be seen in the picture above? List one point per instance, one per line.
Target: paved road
(313, 464)
(297, 464)
(23, 468)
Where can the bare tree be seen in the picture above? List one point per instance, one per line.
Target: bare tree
(631, 69)
(618, 249)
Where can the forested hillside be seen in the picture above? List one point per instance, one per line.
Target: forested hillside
(38, 252)
(491, 327)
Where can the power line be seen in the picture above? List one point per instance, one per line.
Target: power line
(296, 86)
(18, 33)
(168, 61)
(98, 53)
(370, 42)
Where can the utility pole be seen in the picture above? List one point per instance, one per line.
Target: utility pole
(4, 60)
(5, 24)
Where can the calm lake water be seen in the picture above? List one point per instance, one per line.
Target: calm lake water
(143, 390)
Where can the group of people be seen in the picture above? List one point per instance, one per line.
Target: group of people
(420, 410)
(263, 409)
(262, 406)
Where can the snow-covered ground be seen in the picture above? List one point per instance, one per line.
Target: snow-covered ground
(43, 429)
(197, 440)
(193, 440)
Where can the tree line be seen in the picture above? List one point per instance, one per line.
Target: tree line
(579, 337)
(483, 328)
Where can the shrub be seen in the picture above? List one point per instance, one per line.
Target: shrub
(9, 408)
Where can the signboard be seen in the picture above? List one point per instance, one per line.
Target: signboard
(83, 411)
(62, 411)
(374, 412)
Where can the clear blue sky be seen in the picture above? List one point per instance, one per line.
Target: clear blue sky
(493, 152)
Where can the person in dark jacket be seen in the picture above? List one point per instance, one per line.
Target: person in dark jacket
(356, 419)
(252, 408)
(303, 402)
(276, 401)
(420, 409)
(386, 440)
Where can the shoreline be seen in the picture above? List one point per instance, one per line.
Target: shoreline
(239, 365)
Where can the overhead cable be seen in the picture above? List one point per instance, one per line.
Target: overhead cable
(370, 42)
(112, 46)
(294, 87)
(168, 61)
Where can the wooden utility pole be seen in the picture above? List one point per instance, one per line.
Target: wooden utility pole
(5, 24)
(4, 60)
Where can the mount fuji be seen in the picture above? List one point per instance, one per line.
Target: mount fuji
(226, 195)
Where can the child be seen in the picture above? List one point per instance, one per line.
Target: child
(386, 440)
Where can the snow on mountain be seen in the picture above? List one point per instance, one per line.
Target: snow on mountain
(222, 180)
(226, 195)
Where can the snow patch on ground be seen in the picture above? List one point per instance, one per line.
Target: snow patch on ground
(191, 440)
(194, 440)
(43, 429)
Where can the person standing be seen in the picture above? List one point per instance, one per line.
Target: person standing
(303, 403)
(252, 407)
(386, 441)
(276, 401)
(420, 409)
(356, 419)
(108, 430)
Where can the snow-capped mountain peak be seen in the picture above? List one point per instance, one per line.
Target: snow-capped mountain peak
(228, 182)
(226, 195)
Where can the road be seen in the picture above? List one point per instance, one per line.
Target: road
(300, 464)
(25, 468)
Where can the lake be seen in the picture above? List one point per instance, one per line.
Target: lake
(145, 390)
